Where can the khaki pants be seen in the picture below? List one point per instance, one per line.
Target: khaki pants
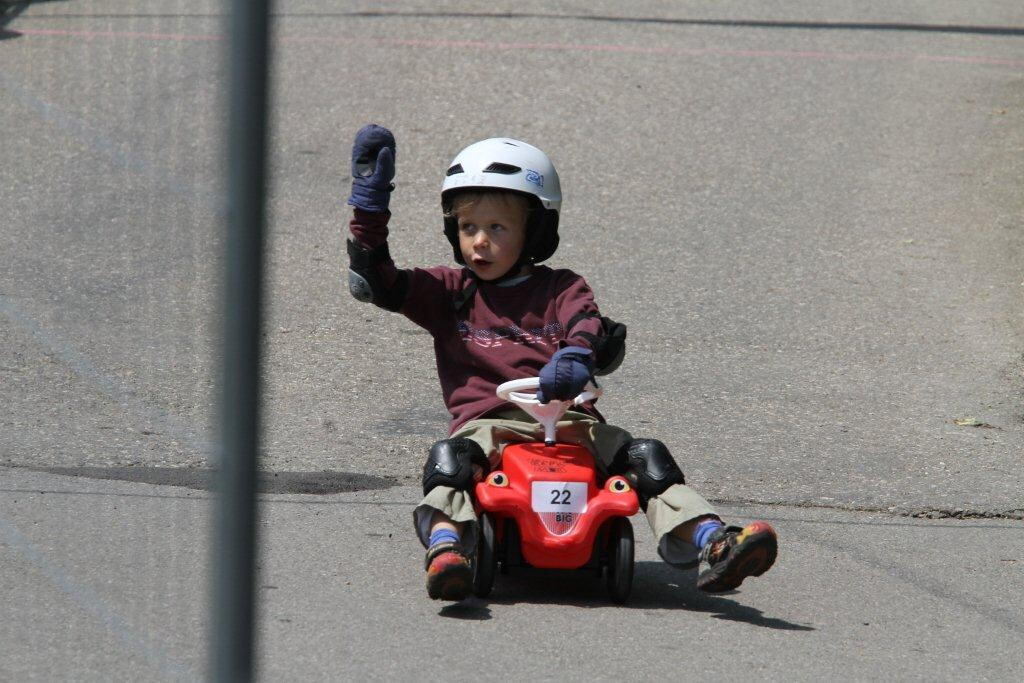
(677, 505)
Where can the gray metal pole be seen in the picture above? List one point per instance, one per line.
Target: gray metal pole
(234, 551)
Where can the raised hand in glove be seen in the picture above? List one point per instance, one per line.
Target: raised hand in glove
(566, 374)
(373, 168)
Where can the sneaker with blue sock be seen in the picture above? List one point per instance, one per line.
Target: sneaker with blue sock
(733, 553)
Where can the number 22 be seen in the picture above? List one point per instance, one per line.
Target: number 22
(564, 493)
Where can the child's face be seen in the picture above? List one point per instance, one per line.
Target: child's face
(492, 231)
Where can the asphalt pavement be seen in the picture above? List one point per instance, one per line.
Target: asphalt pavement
(809, 215)
(120, 591)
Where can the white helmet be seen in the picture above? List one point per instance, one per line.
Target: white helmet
(506, 164)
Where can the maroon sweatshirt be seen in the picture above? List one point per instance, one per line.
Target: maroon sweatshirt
(497, 334)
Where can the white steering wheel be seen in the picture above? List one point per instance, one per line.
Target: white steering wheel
(523, 393)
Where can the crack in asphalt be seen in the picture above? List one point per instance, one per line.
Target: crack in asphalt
(554, 16)
(325, 483)
(919, 513)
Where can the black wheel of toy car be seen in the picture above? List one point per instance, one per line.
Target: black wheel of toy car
(620, 559)
(486, 562)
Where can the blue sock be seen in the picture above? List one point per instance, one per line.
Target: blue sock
(704, 530)
(443, 536)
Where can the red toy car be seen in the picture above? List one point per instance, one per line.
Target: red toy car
(544, 508)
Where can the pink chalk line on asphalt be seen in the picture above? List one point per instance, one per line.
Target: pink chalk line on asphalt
(818, 55)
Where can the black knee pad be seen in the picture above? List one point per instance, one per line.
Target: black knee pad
(649, 466)
(450, 463)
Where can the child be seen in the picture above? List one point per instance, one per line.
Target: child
(500, 317)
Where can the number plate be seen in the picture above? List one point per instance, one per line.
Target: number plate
(559, 496)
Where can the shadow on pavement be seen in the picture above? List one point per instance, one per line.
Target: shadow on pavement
(470, 609)
(656, 586)
(9, 10)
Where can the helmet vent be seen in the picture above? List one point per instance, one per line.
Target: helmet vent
(504, 169)
(457, 168)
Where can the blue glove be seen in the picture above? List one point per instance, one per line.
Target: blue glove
(373, 167)
(565, 375)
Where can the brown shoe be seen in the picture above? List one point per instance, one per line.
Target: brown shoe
(449, 575)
